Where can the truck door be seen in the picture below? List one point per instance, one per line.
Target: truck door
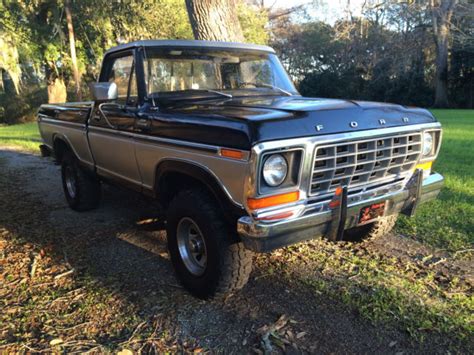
(112, 123)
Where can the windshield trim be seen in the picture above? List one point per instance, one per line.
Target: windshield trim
(278, 69)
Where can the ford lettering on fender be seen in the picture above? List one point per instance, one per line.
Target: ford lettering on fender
(240, 162)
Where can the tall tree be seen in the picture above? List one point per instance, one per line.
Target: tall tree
(441, 13)
(72, 46)
(215, 20)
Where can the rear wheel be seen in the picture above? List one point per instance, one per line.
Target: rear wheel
(207, 256)
(372, 230)
(82, 191)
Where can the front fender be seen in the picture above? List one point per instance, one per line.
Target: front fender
(169, 172)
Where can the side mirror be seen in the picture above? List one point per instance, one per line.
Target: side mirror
(104, 91)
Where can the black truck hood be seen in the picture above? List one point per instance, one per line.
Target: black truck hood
(243, 122)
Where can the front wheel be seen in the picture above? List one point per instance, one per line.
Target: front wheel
(372, 230)
(208, 258)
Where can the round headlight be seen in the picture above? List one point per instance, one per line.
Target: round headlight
(427, 143)
(275, 169)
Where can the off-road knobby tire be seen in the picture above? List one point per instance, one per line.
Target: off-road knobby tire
(229, 264)
(372, 230)
(88, 189)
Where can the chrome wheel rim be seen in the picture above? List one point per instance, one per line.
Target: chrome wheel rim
(191, 246)
(70, 180)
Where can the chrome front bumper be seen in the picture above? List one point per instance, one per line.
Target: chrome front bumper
(264, 237)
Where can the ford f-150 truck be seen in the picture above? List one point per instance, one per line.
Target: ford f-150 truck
(240, 162)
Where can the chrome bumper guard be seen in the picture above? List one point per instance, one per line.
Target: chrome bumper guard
(264, 237)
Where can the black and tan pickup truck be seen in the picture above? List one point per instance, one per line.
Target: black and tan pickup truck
(240, 162)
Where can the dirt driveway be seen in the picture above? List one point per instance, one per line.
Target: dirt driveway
(102, 280)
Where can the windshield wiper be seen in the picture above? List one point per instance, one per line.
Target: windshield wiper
(211, 91)
(263, 85)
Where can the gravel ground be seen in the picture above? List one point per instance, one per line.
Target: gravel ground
(120, 250)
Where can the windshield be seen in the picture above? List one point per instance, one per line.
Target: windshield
(234, 72)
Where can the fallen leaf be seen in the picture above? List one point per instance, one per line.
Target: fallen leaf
(281, 322)
(300, 335)
(56, 341)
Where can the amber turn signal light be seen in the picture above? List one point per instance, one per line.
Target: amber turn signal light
(257, 203)
(232, 153)
(424, 166)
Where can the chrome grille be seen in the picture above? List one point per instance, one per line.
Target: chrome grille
(357, 164)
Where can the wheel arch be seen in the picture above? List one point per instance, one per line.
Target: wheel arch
(172, 175)
(60, 146)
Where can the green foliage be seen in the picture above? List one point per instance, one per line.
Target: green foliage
(102, 25)
(14, 40)
(23, 107)
(253, 22)
(52, 53)
(342, 61)
(33, 36)
(9, 62)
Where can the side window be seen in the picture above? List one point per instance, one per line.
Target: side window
(122, 73)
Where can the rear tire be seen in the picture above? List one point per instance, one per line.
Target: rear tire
(372, 230)
(207, 256)
(82, 190)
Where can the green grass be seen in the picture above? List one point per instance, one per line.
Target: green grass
(25, 136)
(448, 222)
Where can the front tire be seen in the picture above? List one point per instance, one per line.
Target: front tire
(82, 191)
(207, 256)
(372, 230)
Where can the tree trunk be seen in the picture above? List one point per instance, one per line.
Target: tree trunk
(57, 91)
(215, 20)
(72, 45)
(441, 13)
